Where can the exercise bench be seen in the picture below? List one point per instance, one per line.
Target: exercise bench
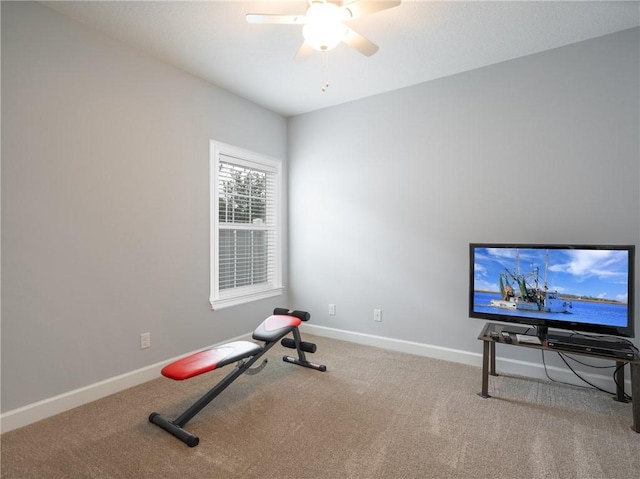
(245, 354)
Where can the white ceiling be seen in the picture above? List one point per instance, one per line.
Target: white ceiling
(419, 41)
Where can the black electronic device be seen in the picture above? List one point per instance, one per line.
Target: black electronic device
(609, 347)
(587, 288)
(507, 337)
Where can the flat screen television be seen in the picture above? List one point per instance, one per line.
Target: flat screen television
(586, 288)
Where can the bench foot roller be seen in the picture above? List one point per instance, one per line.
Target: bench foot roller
(185, 436)
(306, 364)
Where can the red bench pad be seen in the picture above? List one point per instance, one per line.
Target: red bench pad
(210, 359)
(275, 327)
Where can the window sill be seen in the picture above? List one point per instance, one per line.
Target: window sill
(221, 303)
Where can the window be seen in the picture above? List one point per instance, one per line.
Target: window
(245, 226)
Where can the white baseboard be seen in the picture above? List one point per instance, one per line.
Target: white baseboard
(37, 411)
(400, 345)
(31, 413)
(63, 402)
(503, 365)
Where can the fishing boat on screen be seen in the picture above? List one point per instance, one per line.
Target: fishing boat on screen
(523, 292)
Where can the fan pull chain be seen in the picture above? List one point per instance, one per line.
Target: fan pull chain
(325, 82)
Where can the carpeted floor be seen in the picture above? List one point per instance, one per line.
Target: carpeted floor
(373, 414)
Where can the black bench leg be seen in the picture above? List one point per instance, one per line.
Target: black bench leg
(176, 427)
(301, 360)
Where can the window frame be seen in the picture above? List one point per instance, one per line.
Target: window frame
(228, 297)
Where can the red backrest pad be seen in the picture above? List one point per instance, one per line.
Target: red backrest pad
(208, 360)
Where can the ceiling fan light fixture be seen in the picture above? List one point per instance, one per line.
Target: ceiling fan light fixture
(323, 29)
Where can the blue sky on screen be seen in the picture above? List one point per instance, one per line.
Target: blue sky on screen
(592, 273)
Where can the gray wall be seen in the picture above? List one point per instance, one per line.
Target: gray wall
(105, 217)
(387, 192)
(105, 223)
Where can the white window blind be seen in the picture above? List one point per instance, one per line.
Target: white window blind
(245, 226)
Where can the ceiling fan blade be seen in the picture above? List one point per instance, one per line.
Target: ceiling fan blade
(359, 8)
(360, 43)
(266, 18)
(304, 52)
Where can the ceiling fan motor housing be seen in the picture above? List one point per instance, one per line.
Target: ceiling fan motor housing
(323, 28)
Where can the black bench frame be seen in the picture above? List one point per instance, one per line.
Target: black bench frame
(176, 427)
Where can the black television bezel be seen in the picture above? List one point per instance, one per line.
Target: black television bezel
(543, 324)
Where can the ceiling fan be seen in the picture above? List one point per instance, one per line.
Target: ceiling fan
(323, 27)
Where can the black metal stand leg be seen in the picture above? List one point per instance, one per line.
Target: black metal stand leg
(635, 395)
(485, 370)
(620, 382)
(492, 354)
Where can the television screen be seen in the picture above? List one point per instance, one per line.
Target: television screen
(585, 288)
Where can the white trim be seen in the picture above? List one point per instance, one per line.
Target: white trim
(232, 297)
(217, 304)
(31, 413)
(503, 365)
(398, 345)
(63, 402)
(37, 411)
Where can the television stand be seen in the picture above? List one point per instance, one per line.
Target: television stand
(489, 364)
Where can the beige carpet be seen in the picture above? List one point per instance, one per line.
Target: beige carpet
(373, 414)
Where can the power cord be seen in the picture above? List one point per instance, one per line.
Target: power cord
(564, 357)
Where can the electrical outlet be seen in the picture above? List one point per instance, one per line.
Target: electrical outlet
(145, 340)
(332, 309)
(377, 315)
